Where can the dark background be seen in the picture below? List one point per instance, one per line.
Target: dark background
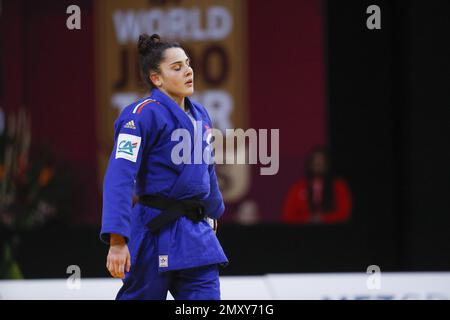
(388, 130)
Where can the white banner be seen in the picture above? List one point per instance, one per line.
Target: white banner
(343, 286)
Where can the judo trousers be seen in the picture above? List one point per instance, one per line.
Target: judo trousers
(144, 282)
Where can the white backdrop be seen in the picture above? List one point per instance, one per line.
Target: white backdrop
(268, 287)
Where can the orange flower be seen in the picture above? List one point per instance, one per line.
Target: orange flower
(45, 176)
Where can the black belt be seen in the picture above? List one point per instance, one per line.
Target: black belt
(172, 209)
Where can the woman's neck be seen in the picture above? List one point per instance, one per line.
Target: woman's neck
(178, 100)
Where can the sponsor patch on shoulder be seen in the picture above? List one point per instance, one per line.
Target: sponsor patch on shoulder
(128, 146)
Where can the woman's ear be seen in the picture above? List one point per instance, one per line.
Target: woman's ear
(155, 78)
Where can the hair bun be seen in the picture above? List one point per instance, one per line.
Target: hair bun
(146, 42)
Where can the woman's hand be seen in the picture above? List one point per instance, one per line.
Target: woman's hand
(118, 259)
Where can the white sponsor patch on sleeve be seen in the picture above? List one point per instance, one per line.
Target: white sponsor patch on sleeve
(128, 146)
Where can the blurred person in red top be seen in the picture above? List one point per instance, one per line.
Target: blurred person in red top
(319, 197)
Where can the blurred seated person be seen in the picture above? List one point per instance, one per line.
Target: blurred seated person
(319, 197)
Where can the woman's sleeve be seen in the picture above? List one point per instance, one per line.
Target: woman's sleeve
(133, 134)
(214, 204)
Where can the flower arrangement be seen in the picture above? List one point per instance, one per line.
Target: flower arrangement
(33, 188)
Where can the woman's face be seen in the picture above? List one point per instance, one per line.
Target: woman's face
(176, 76)
(319, 164)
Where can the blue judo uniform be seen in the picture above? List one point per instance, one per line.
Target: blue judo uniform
(184, 256)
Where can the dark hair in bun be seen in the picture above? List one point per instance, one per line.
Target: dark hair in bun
(151, 53)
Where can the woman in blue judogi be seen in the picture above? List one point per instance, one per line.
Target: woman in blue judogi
(166, 242)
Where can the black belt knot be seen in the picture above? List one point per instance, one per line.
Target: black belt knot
(171, 210)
